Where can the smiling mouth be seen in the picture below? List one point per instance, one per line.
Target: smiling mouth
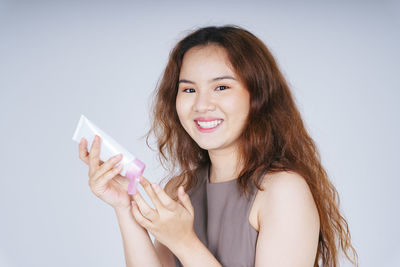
(208, 124)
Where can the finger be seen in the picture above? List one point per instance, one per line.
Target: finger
(150, 192)
(94, 155)
(185, 200)
(144, 208)
(99, 185)
(83, 153)
(164, 198)
(109, 164)
(139, 217)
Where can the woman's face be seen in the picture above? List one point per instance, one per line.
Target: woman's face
(212, 104)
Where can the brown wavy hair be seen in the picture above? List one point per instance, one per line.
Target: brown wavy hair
(274, 139)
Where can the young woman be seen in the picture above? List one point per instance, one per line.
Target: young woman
(250, 189)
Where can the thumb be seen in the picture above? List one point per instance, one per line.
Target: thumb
(185, 200)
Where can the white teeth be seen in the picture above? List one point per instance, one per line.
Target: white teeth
(208, 124)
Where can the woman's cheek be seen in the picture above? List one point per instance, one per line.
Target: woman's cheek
(179, 107)
(183, 106)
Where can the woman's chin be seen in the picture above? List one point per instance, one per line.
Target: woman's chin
(210, 145)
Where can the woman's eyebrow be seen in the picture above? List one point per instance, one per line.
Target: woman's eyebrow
(210, 81)
(222, 78)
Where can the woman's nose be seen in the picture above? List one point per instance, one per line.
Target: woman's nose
(203, 102)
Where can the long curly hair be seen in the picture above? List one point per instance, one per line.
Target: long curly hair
(274, 139)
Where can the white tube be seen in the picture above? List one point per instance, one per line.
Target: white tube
(132, 167)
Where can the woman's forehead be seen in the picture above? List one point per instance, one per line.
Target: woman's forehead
(206, 61)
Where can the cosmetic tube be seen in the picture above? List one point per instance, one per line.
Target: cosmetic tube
(132, 167)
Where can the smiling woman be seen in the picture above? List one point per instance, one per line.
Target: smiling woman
(250, 189)
(225, 117)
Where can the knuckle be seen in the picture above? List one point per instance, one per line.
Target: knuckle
(110, 164)
(114, 159)
(138, 217)
(110, 174)
(114, 171)
(146, 212)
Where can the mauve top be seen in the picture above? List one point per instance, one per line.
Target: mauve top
(221, 220)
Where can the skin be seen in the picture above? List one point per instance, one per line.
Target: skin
(171, 223)
(284, 213)
(227, 99)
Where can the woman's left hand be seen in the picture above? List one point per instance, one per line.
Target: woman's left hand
(171, 223)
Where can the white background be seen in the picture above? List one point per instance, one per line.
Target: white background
(61, 59)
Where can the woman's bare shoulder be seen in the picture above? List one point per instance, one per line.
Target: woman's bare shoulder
(285, 187)
(286, 190)
(288, 185)
(273, 182)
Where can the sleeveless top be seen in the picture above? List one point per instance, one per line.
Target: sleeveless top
(221, 220)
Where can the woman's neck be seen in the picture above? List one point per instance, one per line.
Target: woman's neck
(224, 165)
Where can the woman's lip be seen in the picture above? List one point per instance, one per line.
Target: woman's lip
(205, 119)
(207, 130)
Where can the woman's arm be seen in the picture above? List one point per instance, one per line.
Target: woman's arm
(193, 253)
(106, 183)
(138, 248)
(164, 254)
(289, 222)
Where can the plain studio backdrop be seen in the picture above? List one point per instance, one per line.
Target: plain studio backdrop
(103, 59)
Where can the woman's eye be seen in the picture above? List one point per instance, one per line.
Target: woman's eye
(189, 90)
(221, 87)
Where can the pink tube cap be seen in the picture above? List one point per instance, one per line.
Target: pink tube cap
(135, 170)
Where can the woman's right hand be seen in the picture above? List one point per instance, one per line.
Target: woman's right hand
(104, 179)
